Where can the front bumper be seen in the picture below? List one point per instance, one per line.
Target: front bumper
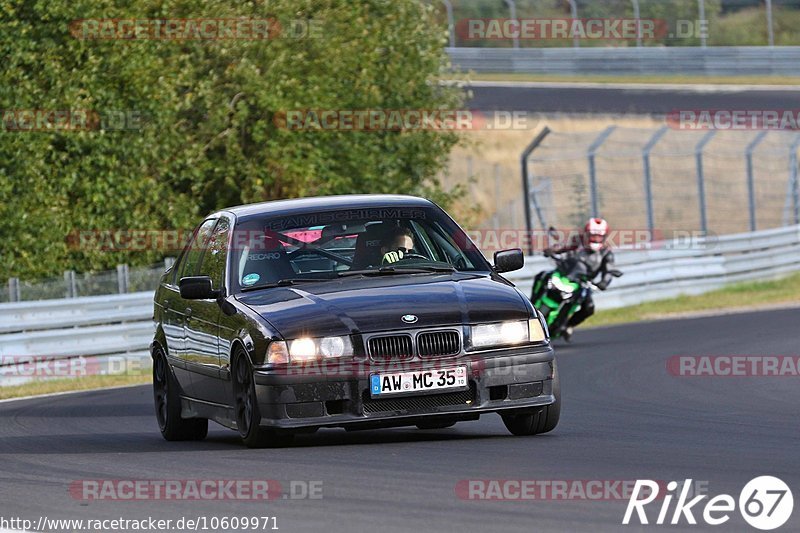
(310, 398)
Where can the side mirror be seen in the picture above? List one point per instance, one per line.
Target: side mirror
(508, 260)
(197, 288)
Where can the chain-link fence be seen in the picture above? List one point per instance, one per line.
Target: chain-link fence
(492, 191)
(72, 285)
(677, 22)
(661, 180)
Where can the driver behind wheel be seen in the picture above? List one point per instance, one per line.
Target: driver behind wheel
(397, 243)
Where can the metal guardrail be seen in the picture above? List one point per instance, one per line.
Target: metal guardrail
(103, 326)
(75, 312)
(712, 61)
(665, 271)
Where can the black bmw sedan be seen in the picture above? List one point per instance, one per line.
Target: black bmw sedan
(352, 311)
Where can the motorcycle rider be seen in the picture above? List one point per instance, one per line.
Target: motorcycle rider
(591, 256)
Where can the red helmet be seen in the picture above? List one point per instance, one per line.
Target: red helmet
(595, 233)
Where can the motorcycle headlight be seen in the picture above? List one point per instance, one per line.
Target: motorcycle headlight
(562, 286)
(309, 349)
(507, 333)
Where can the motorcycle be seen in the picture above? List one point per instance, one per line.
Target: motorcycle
(559, 294)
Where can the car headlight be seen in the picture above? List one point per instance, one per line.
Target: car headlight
(309, 349)
(277, 352)
(508, 333)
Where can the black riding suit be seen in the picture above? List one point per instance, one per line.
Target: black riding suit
(586, 264)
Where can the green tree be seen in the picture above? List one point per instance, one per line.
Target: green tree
(208, 136)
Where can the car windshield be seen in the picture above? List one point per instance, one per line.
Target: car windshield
(330, 245)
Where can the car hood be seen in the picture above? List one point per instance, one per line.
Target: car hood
(363, 305)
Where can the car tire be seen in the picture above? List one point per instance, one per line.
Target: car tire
(542, 420)
(166, 395)
(245, 404)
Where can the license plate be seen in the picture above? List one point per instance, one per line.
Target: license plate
(418, 381)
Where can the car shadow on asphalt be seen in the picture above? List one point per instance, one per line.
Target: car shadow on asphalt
(151, 442)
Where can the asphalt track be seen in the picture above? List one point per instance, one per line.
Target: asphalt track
(637, 99)
(624, 417)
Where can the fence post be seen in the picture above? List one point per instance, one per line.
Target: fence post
(592, 152)
(497, 196)
(702, 17)
(13, 290)
(751, 182)
(512, 8)
(451, 25)
(526, 186)
(574, 10)
(123, 279)
(648, 178)
(795, 191)
(71, 284)
(638, 16)
(770, 28)
(701, 181)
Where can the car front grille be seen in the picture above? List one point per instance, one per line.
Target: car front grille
(438, 344)
(391, 348)
(418, 404)
(402, 346)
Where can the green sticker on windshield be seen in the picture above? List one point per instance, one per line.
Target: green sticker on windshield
(250, 279)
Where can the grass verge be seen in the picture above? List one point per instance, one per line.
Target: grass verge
(50, 386)
(741, 296)
(656, 80)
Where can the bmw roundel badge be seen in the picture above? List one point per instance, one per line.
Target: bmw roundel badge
(409, 319)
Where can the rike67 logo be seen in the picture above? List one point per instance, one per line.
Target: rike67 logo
(765, 503)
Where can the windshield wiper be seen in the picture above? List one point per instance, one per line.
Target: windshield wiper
(283, 283)
(392, 270)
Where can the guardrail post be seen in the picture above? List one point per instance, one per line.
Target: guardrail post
(13, 290)
(526, 186)
(123, 279)
(648, 178)
(71, 284)
(591, 153)
(751, 183)
(701, 181)
(451, 25)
